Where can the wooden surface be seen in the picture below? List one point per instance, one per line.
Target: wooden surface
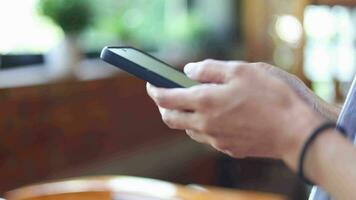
(122, 187)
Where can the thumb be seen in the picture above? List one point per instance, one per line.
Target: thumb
(209, 71)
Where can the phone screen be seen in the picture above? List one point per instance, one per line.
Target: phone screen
(154, 65)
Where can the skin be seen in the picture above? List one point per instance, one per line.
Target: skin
(328, 111)
(257, 110)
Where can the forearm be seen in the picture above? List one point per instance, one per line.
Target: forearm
(331, 163)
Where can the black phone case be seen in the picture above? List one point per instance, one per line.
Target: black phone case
(137, 70)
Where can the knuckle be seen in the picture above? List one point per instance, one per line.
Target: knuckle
(223, 147)
(190, 133)
(202, 126)
(208, 62)
(237, 153)
(204, 100)
(240, 70)
(229, 149)
(162, 100)
(263, 65)
(167, 119)
(201, 70)
(206, 127)
(196, 138)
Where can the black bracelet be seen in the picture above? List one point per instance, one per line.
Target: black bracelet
(315, 133)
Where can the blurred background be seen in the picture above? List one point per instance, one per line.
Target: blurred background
(64, 113)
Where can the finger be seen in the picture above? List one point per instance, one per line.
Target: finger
(206, 139)
(180, 120)
(189, 99)
(174, 99)
(199, 137)
(210, 71)
(207, 71)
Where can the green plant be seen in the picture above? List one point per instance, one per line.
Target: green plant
(73, 16)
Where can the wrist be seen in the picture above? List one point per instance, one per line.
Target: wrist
(316, 151)
(302, 124)
(327, 110)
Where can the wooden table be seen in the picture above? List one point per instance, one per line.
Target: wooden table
(128, 188)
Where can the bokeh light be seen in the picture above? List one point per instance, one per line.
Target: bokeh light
(289, 29)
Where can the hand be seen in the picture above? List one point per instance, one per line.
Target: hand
(242, 110)
(329, 111)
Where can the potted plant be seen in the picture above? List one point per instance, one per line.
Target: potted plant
(72, 16)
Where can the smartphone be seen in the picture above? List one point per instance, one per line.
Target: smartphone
(146, 67)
